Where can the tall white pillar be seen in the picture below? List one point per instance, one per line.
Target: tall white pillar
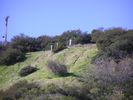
(70, 42)
(57, 44)
(51, 48)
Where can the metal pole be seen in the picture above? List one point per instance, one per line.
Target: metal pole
(6, 28)
(5, 36)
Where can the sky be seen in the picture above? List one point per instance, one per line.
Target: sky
(53, 17)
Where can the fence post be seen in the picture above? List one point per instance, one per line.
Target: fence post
(57, 44)
(70, 42)
(51, 47)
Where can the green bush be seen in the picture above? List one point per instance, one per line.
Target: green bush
(27, 70)
(19, 90)
(116, 43)
(30, 44)
(113, 64)
(11, 56)
(59, 48)
(31, 91)
(57, 69)
(51, 88)
(25, 43)
(43, 42)
(95, 34)
(110, 73)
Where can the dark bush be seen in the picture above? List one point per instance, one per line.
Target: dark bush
(27, 70)
(81, 93)
(31, 91)
(59, 48)
(43, 42)
(116, 43)
(57, 69)
(95, 34)
(77, 92)
(7, 98)
(109, 37)
(25, 43)
(110, 73)
(11, 56)
(19, 90)
(86, 38)
(30, 44)
(77, 37)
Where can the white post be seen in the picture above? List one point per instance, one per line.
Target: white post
(57, 44)
(70, 42)
(51, 48)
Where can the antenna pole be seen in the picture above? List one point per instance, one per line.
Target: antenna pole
(6, 28)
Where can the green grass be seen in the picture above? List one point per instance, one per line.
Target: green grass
(77, 60)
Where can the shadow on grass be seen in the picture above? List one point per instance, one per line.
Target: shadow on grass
(65, 75)
(68, 74)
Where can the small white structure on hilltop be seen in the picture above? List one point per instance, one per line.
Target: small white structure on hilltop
(57, 44)
(51, 50)
(70, 42)
(51, 47)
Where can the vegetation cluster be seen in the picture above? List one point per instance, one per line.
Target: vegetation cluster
(108, 75)
(114, 61)
(21, 44)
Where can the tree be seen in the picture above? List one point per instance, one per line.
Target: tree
(11, 56)
(95, 34)
(24, 43)
(116, 42)
(44, 42)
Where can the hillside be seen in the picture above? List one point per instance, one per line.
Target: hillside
(77, 59)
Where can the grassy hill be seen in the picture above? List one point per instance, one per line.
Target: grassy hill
(77, 59)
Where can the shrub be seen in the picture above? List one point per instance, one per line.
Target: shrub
(11, 56)
(25, 43)
(75, 35)
(116, 43)
(109, 75)
(79, 92)
(57, 69)
(51, 88)
(27, 70)
(95, 34)
(116, 74)
(44, 42)
(19, 90)
(26, 91)
(113, 72)
(59, 48)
